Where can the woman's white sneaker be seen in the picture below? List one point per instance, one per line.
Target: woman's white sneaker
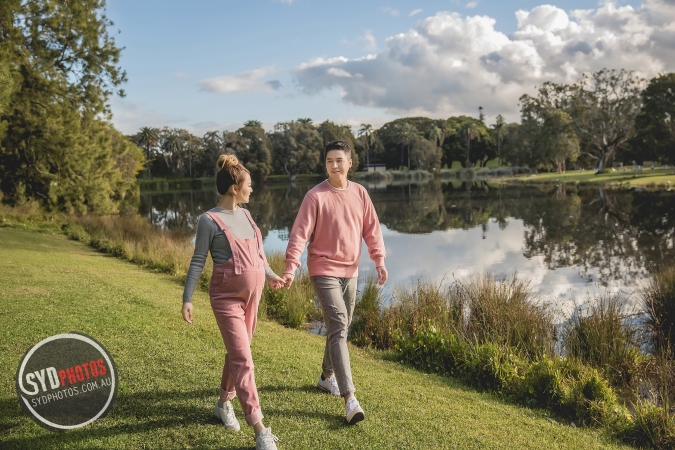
(329, 385)
(354, 413)
(226, 414)
(265, 440)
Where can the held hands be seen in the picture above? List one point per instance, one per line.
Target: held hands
(187, 311)
(382, 275)
(288, 279)
(276, 283)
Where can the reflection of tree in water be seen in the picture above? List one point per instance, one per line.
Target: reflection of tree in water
(610, 235)
(178, 210)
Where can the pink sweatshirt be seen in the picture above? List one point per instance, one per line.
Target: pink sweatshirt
(334, 221)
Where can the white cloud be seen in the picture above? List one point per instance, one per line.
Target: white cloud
(365, 42)
(181, 75)
(415, 12)
(288, 2)
(392, 12)
(471, 5)
(449, 63)
(251, 81)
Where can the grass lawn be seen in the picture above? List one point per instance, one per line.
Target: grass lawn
(647, 178)
(169, 371)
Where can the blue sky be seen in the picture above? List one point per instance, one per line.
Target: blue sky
(211, 65)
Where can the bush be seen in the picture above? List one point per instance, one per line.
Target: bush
(653, 426)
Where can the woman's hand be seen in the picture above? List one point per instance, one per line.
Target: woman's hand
(276, 283)
(187, 311)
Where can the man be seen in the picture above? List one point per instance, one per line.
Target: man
(334, 216)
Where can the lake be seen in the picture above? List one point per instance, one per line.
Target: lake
(569, 240)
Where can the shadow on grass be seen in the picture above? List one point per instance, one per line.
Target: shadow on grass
(136, 413)
(332, 421)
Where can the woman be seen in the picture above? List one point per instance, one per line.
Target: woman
(239, 272)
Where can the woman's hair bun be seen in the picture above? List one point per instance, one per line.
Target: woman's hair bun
(225, 161)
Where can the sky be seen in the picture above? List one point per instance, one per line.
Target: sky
(211, 65)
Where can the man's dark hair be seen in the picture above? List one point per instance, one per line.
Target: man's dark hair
(339, 145)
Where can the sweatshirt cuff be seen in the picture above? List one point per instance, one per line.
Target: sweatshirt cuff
(290, 269)
(379, 261)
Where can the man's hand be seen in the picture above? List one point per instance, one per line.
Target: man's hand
(187, 311)
(277, 283)
(382, 275)
(288, 279)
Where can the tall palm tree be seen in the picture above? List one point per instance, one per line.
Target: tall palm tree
(253, 123)
(366, 130)
(172, 148)
(470, 131)
(405, 134)
(498, 132)
(436, 135)
(147, 138)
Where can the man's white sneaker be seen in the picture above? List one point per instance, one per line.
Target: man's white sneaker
(329, 385)
(265, 440)
(226, 414)
(354, 413)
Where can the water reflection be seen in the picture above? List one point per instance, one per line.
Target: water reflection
(566, 238)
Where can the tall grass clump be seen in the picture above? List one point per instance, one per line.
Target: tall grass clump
(366, 329)
(506, 312)
(658, 304)
(133, 238)
(606, 337)
(291, 307)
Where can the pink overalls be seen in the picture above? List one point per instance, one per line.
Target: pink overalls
(235, 291)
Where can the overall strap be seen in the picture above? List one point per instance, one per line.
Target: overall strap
(258, 236)
(230, 238)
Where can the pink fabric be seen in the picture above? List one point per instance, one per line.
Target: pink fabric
(235, 291)
(335, 221)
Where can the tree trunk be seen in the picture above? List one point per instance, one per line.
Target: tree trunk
(148, 173)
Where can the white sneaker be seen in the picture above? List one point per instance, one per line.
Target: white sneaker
(354, 413)
(226, 414)
(265, 440)
(329, 385)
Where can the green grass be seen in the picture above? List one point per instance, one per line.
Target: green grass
(169, 371)
(647, 178)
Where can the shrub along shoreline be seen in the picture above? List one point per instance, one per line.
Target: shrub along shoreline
(490, 333)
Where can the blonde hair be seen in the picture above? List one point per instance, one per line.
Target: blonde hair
(229, 172)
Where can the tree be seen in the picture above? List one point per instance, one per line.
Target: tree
(425, 154)
(57, 147)
(498, 132)
(404, 135)
(147, 138)
(296, 147)
(602, 106)
(212, 146)
(436, 135)
(470, 131)
(655, 124)
(254, 150)
(366, 130)
(331, 131)
(172, 149)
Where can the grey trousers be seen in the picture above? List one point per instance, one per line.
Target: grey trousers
(337, 297)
